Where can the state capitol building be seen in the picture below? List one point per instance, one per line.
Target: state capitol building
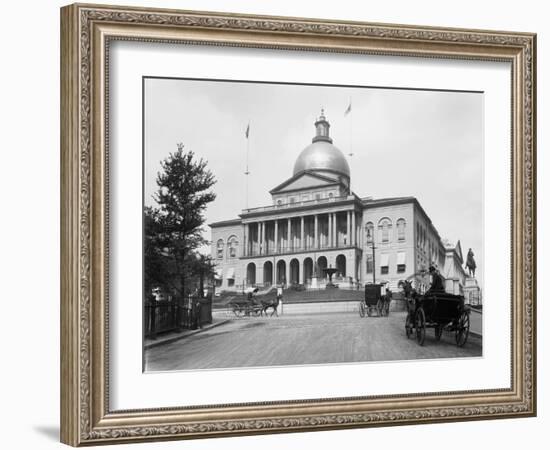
(315, 221)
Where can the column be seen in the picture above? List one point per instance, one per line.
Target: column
(335, 230)
(258, 237)
(289, 235)
(302, 246)
(276, 238)
(330, 241)
(264, 246)
(336, 234)
(348, 228)
(316, 232)
(245, 240)
(354, 228)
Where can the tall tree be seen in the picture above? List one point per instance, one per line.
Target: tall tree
(184, 191)
(203, 269)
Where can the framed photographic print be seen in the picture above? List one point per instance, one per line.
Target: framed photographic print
(275, 224)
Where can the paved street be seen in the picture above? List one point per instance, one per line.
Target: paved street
(301, 339)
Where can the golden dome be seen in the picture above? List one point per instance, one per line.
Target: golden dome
(321, 154)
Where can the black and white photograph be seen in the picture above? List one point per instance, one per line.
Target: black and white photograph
(297, 224)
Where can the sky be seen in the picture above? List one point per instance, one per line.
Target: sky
(426, 144)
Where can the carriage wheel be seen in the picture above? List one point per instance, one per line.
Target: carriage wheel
(420, 326)
(409, 325)
(369, 311)
(438, 332)
(238, 311)
(462, 329)
(256, 311)
(361, 309)
(379, 308)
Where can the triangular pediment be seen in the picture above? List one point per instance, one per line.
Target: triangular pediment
(304, 180)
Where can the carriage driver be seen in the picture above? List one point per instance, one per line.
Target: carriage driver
(437, 281)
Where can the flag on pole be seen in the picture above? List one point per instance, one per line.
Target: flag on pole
(247, 132)
(348, 109)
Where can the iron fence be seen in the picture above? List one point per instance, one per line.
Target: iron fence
(166, 316)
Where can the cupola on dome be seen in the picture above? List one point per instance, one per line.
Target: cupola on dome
(321, 155)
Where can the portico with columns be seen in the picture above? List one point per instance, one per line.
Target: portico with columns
(299, 238)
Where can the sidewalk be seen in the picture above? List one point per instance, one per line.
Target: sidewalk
(167, 338)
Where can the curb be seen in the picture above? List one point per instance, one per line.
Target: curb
(184, 335)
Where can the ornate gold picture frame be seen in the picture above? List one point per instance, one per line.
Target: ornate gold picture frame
(87, 31)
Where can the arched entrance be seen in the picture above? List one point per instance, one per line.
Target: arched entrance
(341, 265)
(251, 274)
(294, 271)
(321, 264)
(268, 273)
(308, 270)
(281, 272)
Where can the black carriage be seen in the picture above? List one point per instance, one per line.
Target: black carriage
(374, 302)
(440, 311)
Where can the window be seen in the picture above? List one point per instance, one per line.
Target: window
(219, 249)
(292, 199)
(369, 232)
(233, 244)
(231, 282)
(401, 230)
(384, 227)
(401, 262)
(279, 202)
(330, 195)
(385, 263)
(370, 264)
(317, 196)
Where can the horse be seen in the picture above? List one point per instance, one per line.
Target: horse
(407, 286)
(270, 303)
(409, 292)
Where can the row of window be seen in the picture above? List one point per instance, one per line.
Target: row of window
(306, 198)
(401, 263)
(232, 246)
(384, 228)
(385, 270)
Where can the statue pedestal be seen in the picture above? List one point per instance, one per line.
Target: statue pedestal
(472, 292)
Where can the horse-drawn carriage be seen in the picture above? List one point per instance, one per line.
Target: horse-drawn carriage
(375, 301)
(438, 310)
(243, 307)
(250, 305)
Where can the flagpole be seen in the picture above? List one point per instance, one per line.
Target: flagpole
(247, 172)
(350, 141)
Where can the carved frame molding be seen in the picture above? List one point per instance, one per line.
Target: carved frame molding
(86, 31)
